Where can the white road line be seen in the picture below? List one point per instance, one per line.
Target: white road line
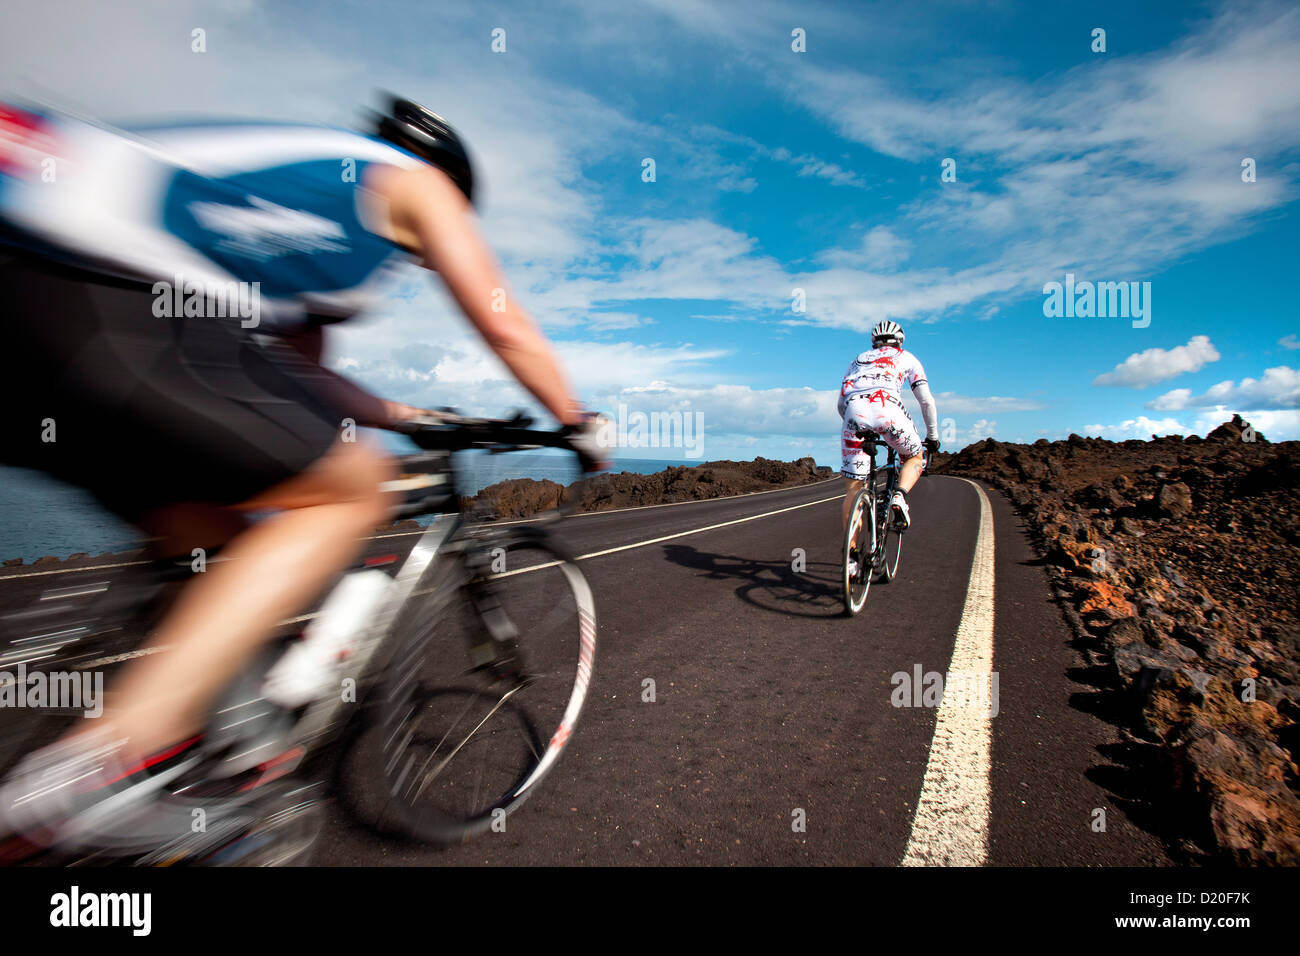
(94, 567)
(670, 537)
(952, 815)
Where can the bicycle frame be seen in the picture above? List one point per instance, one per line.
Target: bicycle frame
(439, 437)
(320, 715)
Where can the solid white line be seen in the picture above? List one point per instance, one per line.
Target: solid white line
(724, 524)
(952, 815)
(670, 537)
(96, 567)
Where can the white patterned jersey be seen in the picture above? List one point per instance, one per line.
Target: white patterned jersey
(886, 369)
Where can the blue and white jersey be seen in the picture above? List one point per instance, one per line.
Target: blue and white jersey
(280, 205)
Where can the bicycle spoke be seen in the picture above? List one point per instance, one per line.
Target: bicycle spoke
(437, 770)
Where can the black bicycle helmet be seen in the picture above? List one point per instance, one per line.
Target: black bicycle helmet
(427, 135)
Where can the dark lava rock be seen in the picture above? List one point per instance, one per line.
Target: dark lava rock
(1174, 499)
(522, 497)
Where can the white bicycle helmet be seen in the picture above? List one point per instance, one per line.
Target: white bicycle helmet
(887, 331)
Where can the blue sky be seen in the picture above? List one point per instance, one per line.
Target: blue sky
(777, 171)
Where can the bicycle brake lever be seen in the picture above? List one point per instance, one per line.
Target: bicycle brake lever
(520, 419)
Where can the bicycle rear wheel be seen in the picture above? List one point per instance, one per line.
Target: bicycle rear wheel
(859, 538)
(459, 746)
(890, 553)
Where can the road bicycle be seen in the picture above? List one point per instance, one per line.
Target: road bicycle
(434, 719)
(871, 542)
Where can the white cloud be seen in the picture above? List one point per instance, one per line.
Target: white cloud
(1277, 424)
(1289, 342)
(1278, 388)
(885, 249)
(1140, 427)
(950, 403)
(1106, 171)
(981, 429)
(1174, 401)
(1143, 369)
(610, 321)
(833, 173)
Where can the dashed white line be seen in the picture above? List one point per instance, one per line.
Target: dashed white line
(952, 816)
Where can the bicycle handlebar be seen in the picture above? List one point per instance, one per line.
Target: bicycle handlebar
(447, 431)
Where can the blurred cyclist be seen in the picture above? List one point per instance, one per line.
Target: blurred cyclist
(164, 299)
(871, 400)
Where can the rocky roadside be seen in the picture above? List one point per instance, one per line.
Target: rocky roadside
(523, 497)
(1177, 560)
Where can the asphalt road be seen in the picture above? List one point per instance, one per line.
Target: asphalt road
(773, 708)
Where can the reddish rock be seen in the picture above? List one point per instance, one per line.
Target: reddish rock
(1103, 599)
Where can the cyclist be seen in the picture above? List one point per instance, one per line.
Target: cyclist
(871, 399)
(164, 302)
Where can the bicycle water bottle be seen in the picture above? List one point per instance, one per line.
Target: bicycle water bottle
(307, 669)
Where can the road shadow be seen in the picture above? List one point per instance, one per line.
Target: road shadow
(1135, 770)
(770, 585)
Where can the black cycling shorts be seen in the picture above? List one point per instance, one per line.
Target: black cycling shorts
(147, 411)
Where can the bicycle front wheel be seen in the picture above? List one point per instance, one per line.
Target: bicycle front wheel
(859, 545)
(463, 744)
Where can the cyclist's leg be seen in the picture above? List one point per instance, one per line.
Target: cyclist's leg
(898, 431)
(855, 460)
(176, 530)
(271, 570)
(910, 472)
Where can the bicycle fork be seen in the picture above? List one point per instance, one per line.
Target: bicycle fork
(495, 646)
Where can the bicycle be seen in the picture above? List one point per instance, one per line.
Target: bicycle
(877, 539)
(455, 746)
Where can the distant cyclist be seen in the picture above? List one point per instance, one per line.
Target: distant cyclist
(162, 296)
(871, 399)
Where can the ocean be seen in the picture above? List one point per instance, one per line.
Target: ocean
(40, 516)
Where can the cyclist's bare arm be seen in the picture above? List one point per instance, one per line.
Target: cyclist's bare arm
(366, 408)
(430, 216)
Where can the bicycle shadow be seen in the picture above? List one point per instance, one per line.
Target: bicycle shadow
(770, 585)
